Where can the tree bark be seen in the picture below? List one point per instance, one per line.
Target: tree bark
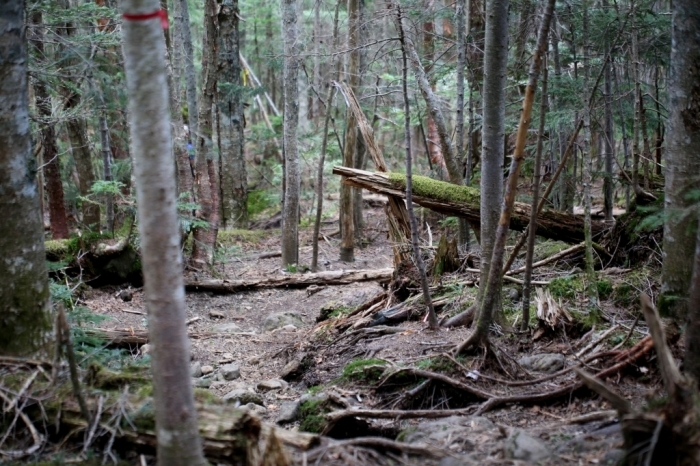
(347, 198)
(234, 183)
(493, 289)
(494, 102)
(609, 145)
(144, 61)
(204, 238)
(25, 311)
(52, 167)
(463, 201)
(683, 160)
(290, 209)
(183, 27)
(692, 332)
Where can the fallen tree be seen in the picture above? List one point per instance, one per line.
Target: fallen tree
(463, 201)
(333, 277)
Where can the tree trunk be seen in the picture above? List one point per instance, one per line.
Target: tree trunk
(608, 144)
(587, 171)
(234, 183)
(692, 332)
(290, 209)
(184, 30)
(26, 327)
(492, 290)
(144, 61)
(204, 237)
(459, 120)
(494, 102)
(683, 160)
(417, 257)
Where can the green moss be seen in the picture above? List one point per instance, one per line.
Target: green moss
(605, 288)
(105, 379)
(440, 190)
(312, 416)
(626, 291)
(405, 433)
(333, 309)
(548, 248)
(204, 396)
(565, 287)
(364, 369)
(232, 237)
(437, 364)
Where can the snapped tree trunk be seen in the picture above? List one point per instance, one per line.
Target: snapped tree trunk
(144, 61)
(290, 209)
(25, 313)
(683, 166)
(234, 183)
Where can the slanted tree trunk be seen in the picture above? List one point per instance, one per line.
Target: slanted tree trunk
(683, 160)
(144, 61)
(204, 238)
(290, 209)
(52, 167)
(420, 264)
(234, 183)
(25, 313)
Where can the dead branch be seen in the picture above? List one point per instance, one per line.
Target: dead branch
(333, 277)
(601, 388)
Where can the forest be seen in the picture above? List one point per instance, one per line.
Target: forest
(319, 232)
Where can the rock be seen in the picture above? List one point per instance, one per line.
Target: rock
(243, 396)
(145, 349)
(126, 295)
(545, 362)
(513, 294)
(520, 446)
(202, 383)
(230, 371)
(459, 434)
(216, 314)
(289, 328)
(291, 370)
(319, 397)
(272, 384)
(196, 369)
(226, 328)
(256, 408)
(279, 320)
(207, 370)
(289, 412)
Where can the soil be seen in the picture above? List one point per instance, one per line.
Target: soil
(262, 355)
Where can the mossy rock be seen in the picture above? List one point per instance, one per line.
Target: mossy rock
(105, 379)
(333, 309)
(364, 369)
(312, 415)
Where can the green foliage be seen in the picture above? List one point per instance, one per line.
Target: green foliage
(437, 364)
(312, 416)
(101, 187)
(605, 288)
(260, 200)
(565, 287)
(364, 369)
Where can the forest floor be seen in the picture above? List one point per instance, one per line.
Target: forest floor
(362, 368)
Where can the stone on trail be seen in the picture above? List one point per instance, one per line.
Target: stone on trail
(225, 328)
(196, 369)
(520, 446)
(289, 412)
(459, 434)
(272, 384)
(258, 409)
(230, 371)
(546, 362)
(281, 319)
(201, 383)
(207, 370)
(243, 396)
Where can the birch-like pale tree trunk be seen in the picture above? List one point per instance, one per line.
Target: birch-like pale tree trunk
(683, 159)
(290, 209)
(234, 182)
(151, 139)
(183, 29)
(25, 313)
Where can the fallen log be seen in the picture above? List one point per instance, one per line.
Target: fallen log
(463, 201)
(333, 277)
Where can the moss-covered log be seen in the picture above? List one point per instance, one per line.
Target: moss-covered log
(463, 201)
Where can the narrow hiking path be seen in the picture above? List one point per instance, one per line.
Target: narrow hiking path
(243, 345)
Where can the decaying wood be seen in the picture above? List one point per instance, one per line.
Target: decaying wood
(333, 277)
(550, 223)
(620, 404)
